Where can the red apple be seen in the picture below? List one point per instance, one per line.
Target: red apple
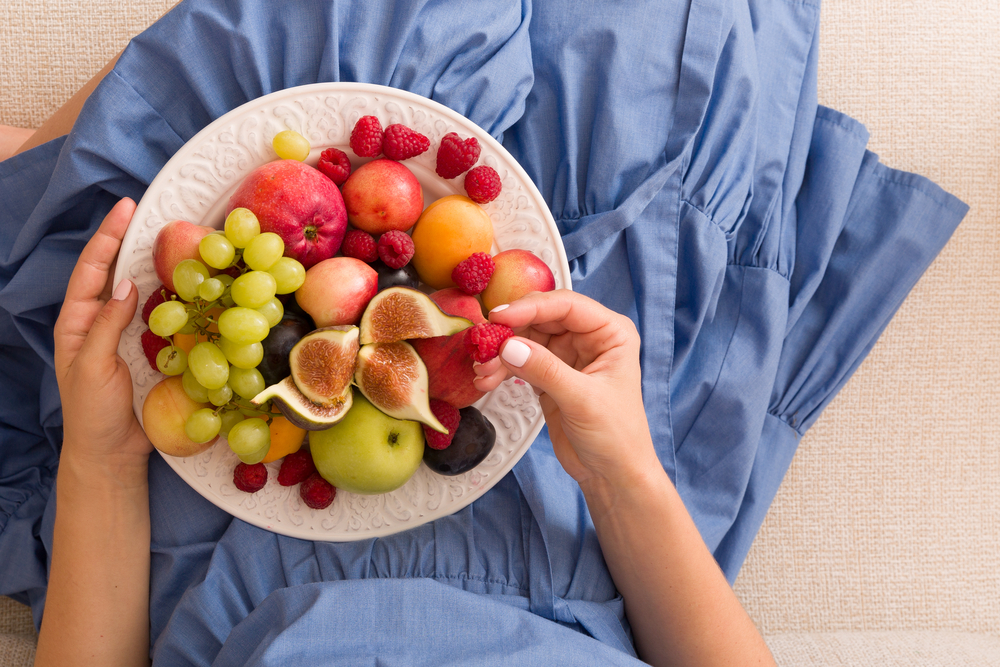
(383, 195)
(449, 366)
(517, 273)
(337, 291)
(299, 204)
(176, 241)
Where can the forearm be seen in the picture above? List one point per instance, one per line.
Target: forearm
(680, 606)
(97, 605)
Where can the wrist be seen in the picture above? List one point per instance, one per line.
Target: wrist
(115, 474)
(626, 492)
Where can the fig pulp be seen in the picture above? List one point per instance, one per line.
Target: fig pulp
(472, 443)
(394, 379)
(300, 410)
(322, 364)
(402, 313)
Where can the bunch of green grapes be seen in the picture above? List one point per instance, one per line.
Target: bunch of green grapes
(221, 368)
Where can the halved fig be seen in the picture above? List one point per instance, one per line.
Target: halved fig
(300, 410)
(394, 379)
(322, 363)
(404, 313)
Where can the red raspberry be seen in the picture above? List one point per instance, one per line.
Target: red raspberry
(250, 478)
(335, 164)
(456, 156)
(472, 275)
(449, 416)
(366, 137)
(400, 142)
(395, 248)
(360, 245)
(151, 345)
(483, 341)
(316, 492)
(160, 295)
(295, 468)
(482, 184)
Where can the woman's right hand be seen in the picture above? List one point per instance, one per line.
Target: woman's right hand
(583, 361)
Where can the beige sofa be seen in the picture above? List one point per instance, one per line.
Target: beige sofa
(883, 545)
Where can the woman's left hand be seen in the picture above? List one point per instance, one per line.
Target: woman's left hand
(95, 386)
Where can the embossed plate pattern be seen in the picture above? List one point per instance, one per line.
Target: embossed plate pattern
(196, 184)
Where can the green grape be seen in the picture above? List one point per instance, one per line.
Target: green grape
(246, 382)
(289, 274)
(188, 274)
(191, 326)
(216, 250)
(243, 326)
(263, 251)
(209, 365)
(230, 418)
(222, 395)
(172, 360)
(227, 297)
(253, 289)
(241, 227)
(193, 388)
(240, 355)
(168, 318)
(250, 440)
(273, 310)
(211, 289)
(290, 145)
(202, 425)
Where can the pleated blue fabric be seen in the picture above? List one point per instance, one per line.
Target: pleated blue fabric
(699, 189)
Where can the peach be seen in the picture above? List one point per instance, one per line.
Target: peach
(449, 366)
(448, 231)
(337, 291)
(176, 241)
(517, 273)
(383, 195)
(164, 413)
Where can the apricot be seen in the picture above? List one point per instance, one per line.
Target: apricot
(517, 273)
(286, 438)
(164, 413)
(448, 231)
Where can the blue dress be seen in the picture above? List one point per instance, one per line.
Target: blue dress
(699, 189)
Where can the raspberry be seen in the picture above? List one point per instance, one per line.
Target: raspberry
(335, 164)
(316, 492)
(483, 341)
(456, 156)
(395, 248)
(472, 275)
(359, 245)
(366, 137)
(295, 468)
(400, 142)
(159, 295)
(482, 184)
(250, 478)
(151, 345)
(449, 416)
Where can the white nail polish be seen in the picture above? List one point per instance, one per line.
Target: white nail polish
(502, 306)
(515, 353)
(122, 290)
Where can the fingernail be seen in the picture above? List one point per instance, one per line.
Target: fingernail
(502, 306)
(122, 290)
(515, 352)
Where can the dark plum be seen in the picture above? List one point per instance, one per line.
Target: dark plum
(293, 309)
(473, 442)
(390, 277)
(279, 342)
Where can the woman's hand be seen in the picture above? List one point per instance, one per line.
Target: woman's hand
(583, 360)
(95, 386)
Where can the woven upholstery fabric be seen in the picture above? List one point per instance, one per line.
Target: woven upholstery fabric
(885, 649)
(889, 518)
(17, 634)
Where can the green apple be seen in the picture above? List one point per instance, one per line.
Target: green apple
(368, 451)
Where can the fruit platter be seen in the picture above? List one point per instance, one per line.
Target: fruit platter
(315, 271)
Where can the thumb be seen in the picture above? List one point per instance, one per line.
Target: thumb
(543, 370)
(117, 313)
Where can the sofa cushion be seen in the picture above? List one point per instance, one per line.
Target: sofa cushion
(886, 649)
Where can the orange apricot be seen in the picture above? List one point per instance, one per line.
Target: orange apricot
(448, 231)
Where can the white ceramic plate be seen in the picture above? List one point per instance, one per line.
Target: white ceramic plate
(196, 184)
